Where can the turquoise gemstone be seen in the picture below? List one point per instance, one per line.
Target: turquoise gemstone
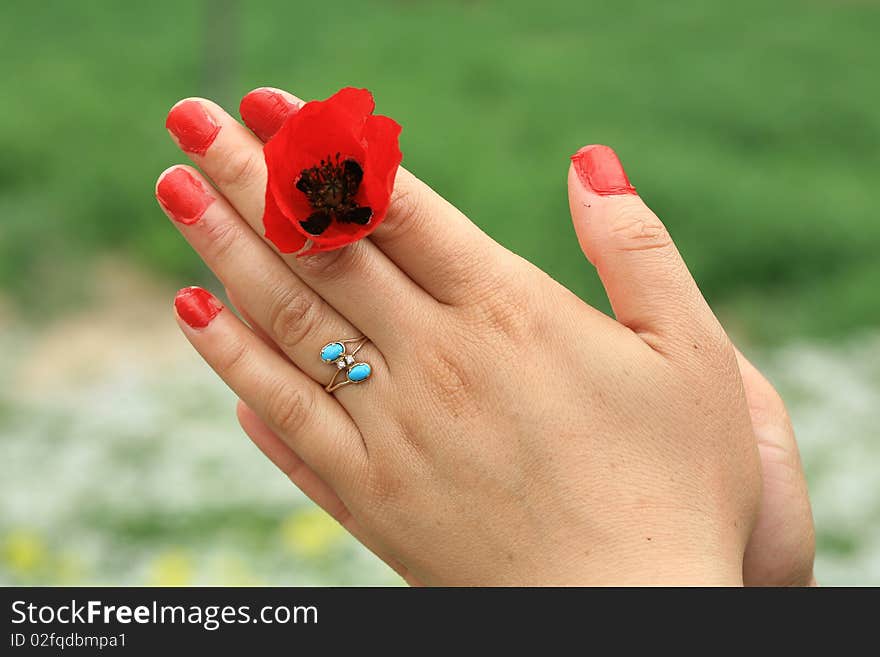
(359, 372)
(332, 351)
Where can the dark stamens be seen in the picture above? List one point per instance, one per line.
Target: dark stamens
(330, 188)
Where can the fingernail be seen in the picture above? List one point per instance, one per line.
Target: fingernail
(600, 171)
(196, 306)
(183, 196)
(264, 111)
(193, 127)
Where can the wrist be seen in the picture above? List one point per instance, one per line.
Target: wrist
(657, 565)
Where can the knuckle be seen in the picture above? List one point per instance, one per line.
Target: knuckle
(406, 211)
(635, 228)
(331, 265)
(498, 304)
(504, 318)
(221, 239)
(239, 170)
(293, 317)
(289, 409)
(385, 489)
(233, 357)
(477, 270)
(452, 383)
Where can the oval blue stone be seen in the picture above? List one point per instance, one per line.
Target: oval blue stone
(359, 372)
(332, 351)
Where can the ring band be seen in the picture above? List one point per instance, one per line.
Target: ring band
(336, 353)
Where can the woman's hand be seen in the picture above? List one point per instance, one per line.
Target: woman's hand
(782, 547)
(510, 433)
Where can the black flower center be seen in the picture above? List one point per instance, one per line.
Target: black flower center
(330, 188)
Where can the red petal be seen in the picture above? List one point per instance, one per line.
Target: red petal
(279, 229)
(315, 132)
(341, 124)
(358, 103)
(383, 158)
(316, 128)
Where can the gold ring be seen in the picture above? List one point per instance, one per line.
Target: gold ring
(336, 353)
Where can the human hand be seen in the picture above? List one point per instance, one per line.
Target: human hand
(782, 547)
(510, 432)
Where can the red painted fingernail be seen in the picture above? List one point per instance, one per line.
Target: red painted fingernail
(193, 127)
(183, 196)
(264, 111)
(196, 306)
(600, 171)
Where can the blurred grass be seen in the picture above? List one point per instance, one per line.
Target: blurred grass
(751, 127)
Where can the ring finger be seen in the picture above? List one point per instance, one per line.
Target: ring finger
(297, 320)
(310, 423)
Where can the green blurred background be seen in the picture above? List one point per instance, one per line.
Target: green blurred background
(752, 128)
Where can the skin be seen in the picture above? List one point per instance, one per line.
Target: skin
(511, 433)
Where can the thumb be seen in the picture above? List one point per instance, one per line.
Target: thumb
(647, 282)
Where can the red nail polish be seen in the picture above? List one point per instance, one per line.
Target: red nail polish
(196, 306)
(264, 111)
(600, 171)
(193, 127)
(183, 196)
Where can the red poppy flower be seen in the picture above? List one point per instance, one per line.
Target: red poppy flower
(331, 172)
